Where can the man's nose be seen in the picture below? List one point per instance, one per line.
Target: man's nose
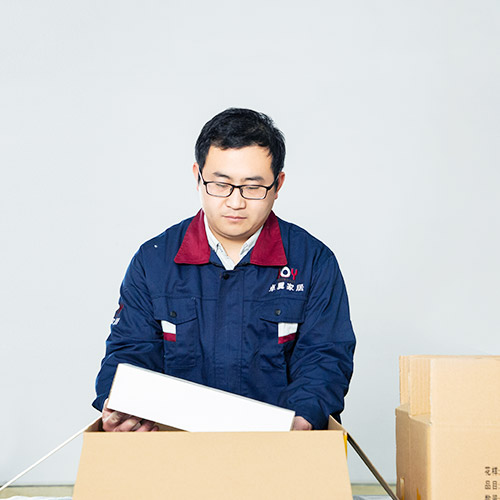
(235, 200)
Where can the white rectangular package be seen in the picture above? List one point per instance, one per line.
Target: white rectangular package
(189, 406)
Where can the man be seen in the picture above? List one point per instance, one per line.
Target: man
(235, 298)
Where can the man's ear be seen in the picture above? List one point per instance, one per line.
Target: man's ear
(279, 181)
(196, 173)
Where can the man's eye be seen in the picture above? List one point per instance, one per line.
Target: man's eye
(221, 185)
(252, 188)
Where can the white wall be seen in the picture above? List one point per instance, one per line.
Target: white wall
(391, 114)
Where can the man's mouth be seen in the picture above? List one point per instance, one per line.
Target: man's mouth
(234, 217)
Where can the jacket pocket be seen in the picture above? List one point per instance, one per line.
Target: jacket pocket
(286, 316)
(281, 322)
(179, 323)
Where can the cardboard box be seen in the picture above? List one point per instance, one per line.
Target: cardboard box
(448, 428)
(181, 465)
(259, 462)
(213, 465)
(192, 407)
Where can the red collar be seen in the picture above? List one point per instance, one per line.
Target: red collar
(268, 250)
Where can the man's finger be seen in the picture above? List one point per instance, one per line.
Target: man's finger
(147, 426)
(112, 418)
(301, 424)
(131, 424)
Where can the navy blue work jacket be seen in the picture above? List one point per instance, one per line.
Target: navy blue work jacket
(276, 328)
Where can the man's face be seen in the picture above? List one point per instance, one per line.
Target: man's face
(235, 219)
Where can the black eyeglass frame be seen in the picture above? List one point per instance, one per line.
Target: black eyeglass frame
(240, 187)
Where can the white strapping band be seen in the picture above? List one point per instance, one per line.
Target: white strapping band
(57, 448)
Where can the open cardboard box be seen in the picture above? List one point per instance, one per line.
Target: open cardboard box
(212, 465)
(262, 465)
(448, 428)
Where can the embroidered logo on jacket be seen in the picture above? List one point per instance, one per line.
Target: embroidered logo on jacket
(286, 281)
(286, 272)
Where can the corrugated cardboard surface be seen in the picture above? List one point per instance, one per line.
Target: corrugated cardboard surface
(222, 466)
(448, 428)
(413, 456)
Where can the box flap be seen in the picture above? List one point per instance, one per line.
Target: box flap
(418, 385)
(451, 389)
(334, 425)
(464, 389)
(95, 426)
(402, 449)
(403, 379)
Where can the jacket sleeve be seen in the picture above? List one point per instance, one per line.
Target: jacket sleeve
(321, 365)
(135, 336)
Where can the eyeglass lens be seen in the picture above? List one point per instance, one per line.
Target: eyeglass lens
(223, 190)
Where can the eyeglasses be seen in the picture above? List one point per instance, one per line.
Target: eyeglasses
(247, 191)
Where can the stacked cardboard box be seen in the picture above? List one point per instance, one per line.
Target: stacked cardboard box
(448, 428)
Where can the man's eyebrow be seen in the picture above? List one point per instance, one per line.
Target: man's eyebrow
(219, 174)
(258, 178)
(255, 178)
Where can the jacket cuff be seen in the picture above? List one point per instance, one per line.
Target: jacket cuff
(98, 403)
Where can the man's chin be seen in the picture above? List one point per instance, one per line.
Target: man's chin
(236, 236)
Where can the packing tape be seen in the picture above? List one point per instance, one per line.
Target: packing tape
(57, 448)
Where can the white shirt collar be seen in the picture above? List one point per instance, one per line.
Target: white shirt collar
(215, 244)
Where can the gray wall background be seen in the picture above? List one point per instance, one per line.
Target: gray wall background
(391, 114)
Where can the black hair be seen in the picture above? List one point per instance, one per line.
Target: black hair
(237, 128)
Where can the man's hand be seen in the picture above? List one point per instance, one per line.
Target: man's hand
(301, 424)
(115, 421)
